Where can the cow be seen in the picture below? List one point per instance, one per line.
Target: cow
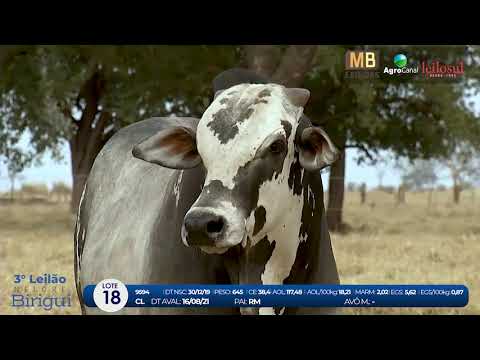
(235, 197)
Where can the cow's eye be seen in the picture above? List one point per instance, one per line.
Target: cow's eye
(277, 147)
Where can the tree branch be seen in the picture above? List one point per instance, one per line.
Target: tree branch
(95, 139)
(363, 148)
(68, 114)
(91, 91)
(102, 122)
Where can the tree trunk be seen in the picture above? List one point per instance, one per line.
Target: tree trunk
(295, 64)
(263, 59)
(288, 69)
(401, 194)
(336, 189)
(89, 137)
(363, 193)
(12, 189)
(456, 193)
(79, 177)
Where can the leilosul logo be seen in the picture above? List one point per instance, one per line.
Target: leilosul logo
(437, 69)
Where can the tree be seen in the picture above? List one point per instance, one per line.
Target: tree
(381, 167)
(402, 189)
(14, 174)
(363, 193)
(351, 186)
(84, 94)
(380, 175)
(420, 176)
(286, 65)
(410, 118)
(464, 167)
(14, 158)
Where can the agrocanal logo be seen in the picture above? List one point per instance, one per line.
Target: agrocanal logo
(400, 62)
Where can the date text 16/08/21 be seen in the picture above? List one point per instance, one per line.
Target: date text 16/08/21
(194, 301)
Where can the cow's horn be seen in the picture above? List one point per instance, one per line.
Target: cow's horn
(297, 96)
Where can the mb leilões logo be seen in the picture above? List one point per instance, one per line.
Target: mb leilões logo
(400, 61)
(360, 64)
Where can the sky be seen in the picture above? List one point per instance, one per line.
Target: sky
(53, 171)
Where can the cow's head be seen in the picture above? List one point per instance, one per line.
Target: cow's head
(249, 140)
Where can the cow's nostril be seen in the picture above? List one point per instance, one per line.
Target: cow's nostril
(215, 226)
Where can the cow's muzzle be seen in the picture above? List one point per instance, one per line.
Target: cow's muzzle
(214, 230)
(204, 228)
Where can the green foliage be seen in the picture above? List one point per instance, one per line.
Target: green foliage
(414, 119)
(41, 88)
(464, 165)
(420, 175)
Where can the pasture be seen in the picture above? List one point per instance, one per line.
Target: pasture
(386, 243)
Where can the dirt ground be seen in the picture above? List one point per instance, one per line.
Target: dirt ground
(387, 244)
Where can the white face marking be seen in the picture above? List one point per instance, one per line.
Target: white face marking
(222, 161)
(283, 208)
(265, 120)
(283, 222)
(286, 239)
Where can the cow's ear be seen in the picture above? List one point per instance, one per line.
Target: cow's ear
(173, 147)
(297, 96)
(316, 149)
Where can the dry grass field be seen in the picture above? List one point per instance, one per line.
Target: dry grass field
(387, 244)
(412, 244)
